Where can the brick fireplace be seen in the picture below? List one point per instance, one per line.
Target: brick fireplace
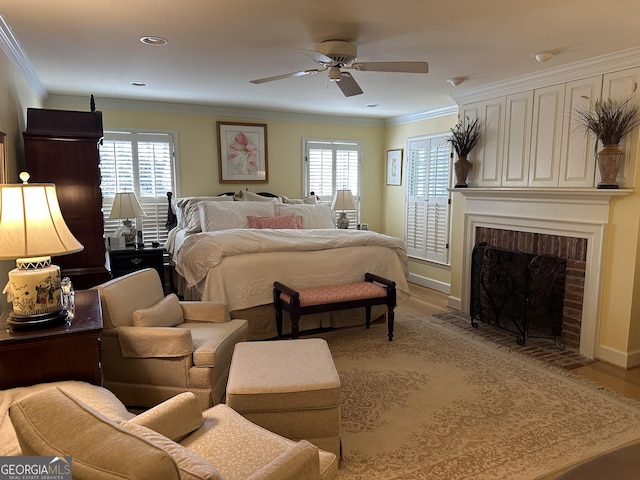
(572, 281)
(562, 222)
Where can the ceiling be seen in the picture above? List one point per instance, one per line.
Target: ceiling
(80, 47)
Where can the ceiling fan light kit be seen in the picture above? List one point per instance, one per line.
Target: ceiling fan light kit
(336, 55)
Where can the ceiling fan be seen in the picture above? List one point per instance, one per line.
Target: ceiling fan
(339, 55)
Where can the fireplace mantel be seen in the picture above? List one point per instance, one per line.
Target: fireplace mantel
(532, 194)
(569, 212)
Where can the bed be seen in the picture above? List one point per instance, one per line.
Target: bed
(231, 248)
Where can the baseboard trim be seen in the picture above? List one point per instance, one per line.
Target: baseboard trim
(454, 302)
(429, 283)
(618, 358)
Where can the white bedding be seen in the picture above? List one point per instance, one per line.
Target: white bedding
(238, 267)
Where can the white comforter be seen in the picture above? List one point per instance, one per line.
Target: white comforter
(238, 267)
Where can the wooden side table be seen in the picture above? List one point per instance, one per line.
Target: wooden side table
(129, 260)
(61, 352)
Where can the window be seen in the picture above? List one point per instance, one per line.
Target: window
(144, 163)
(428, 173)
(330, 166)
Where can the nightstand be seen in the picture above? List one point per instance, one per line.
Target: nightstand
(61, 352)
(129, 260)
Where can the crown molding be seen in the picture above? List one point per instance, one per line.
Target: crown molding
(416, 117)
(59, 100)
(612, 62)
(13, 50)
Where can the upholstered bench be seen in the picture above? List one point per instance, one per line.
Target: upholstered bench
(375, 290)
(290, 387)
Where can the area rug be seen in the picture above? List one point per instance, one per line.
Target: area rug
(437, 403)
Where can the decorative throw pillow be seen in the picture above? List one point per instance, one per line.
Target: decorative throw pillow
(313, 216)
(51, 422)
(227, 215)
(174, 418)
(166, 313)
(283, 221)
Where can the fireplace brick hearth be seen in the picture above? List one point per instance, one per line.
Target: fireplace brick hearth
(572, 248)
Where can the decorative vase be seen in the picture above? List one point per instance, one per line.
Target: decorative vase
(461, 168)
(609, 161)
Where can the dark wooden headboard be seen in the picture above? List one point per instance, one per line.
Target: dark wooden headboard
(172, 220)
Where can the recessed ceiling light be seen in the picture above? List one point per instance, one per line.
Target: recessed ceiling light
(154, 41)
(138, 84)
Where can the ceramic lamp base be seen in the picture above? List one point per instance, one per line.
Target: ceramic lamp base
(343, 221)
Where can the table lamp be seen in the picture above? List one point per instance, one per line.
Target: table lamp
(31, 231)
(126, 205)
(343, 200)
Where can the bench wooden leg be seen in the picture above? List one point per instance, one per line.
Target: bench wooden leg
(390, 320)
(367, 310)
(295, 323)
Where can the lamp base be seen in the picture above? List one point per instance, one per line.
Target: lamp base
(18, 322)
(343, 221)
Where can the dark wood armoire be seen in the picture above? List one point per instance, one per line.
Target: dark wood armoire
(61, 147)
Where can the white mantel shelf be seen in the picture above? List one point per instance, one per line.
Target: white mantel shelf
(544, 194)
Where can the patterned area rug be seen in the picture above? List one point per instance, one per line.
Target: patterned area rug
(439, 403)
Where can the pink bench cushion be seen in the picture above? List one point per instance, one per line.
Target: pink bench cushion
(337, 293)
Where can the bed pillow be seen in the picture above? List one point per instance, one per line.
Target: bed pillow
(166, 313)
(312, 200)
(216, 216)
(247, 196)
(188, 214)
(283, 221)
(313, 216)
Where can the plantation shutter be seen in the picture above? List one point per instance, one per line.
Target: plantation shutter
(332, 166)
(142, 163)
(428, 173)
(416, 197)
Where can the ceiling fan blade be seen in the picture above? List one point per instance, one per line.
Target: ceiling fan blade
(321, 58)
(400, 67)
(287, 75)
(348, 85)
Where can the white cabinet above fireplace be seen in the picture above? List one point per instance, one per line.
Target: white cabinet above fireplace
(529, 137)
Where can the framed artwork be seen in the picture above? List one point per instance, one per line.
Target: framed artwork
(3, 159)
(394, 167)
(242, 152)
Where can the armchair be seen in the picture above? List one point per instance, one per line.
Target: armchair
(173, 440)
(156, 346)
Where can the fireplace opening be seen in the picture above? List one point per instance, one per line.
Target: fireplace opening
(560, 306)
(518, 292)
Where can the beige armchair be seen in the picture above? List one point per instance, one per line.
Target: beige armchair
(173, 440)
(155, 346)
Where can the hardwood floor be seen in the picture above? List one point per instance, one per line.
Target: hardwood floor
(627, 382)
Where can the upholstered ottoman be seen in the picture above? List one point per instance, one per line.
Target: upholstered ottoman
(290, 387)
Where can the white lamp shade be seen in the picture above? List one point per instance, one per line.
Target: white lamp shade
(343, 200)
(31, 223)
(126, 205)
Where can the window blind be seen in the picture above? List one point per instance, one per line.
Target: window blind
(428, 176)
(144, 163)
(331, 166)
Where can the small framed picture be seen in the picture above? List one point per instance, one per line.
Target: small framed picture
(242, 152)
(394, 167)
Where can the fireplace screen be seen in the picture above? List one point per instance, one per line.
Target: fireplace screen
(517, 292)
